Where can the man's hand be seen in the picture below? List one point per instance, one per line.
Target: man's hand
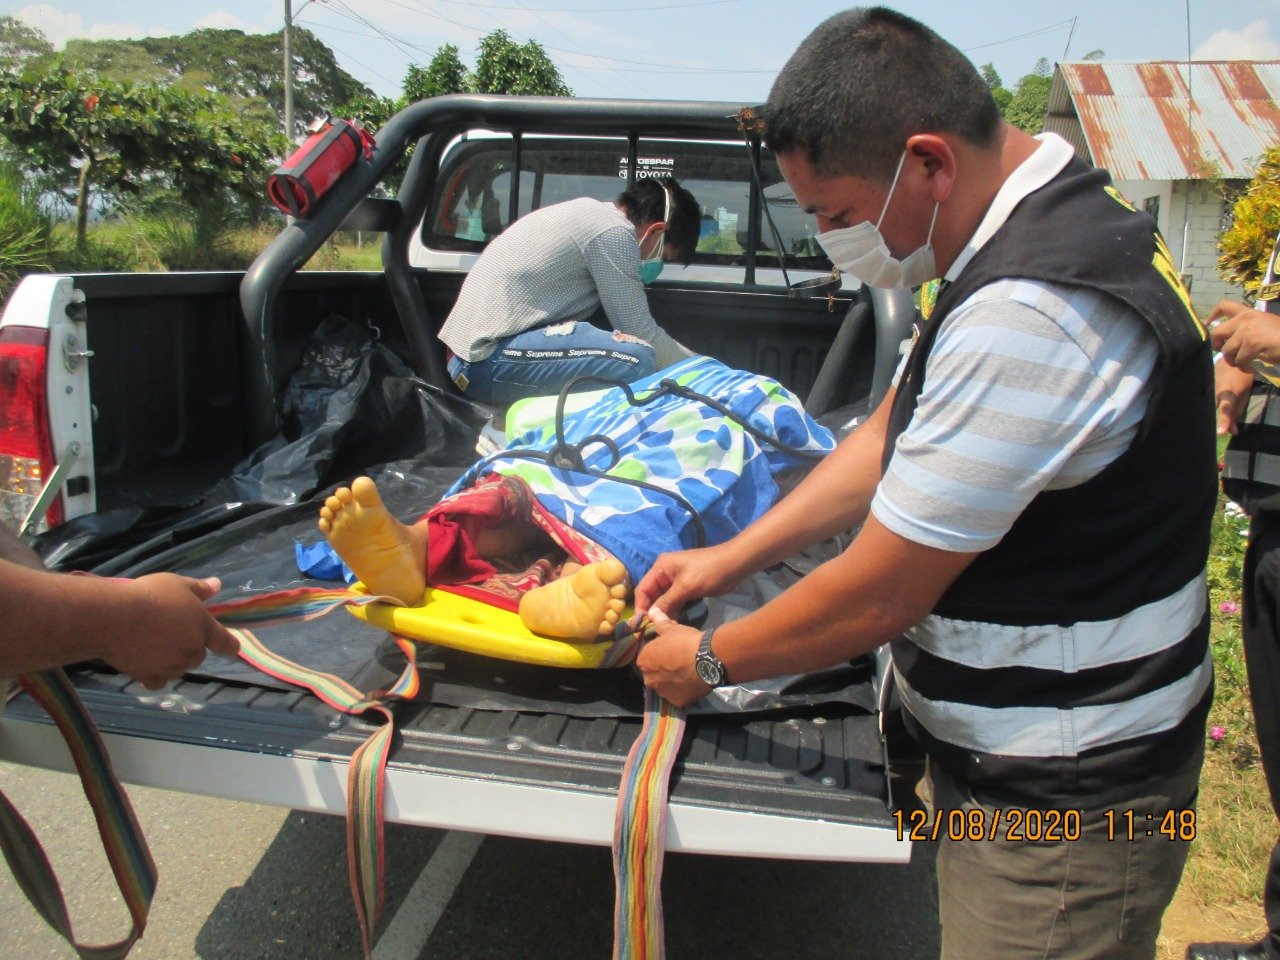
(1231, 388)
(677, 578)
(666, 662)
(1244, 335)
(162, 629)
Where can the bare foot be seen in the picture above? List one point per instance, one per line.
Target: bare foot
(389, 557)
(580, 606)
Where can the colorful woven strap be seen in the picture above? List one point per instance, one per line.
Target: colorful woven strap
(126, 849)
(366, 771)
(639, 832)
(640, 823)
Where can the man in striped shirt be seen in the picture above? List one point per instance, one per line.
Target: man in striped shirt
(1034, 499)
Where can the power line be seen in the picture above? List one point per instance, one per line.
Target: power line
(1021, 36)
(380, 33)
(647, 9)
(359, 63)
(670, 67)
(606, 62)
(571, 40)
(354, 33)
(395, 42)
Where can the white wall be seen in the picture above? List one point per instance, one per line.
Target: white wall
(1141, 192)
(1207, 218)
(1203, 210)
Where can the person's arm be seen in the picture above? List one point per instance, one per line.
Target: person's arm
(878, 588)
(1231, 388)
(15, 550)
(989, 434)
(834, 497)
(154, 628)
(614, 264)
(1244, 335)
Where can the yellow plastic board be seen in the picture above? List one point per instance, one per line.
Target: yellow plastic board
(464, 624)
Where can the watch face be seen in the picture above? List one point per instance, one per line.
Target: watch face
(708, 671)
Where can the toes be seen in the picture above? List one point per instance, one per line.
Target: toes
(333, 505)
(610, 617)
(611, 572)
(343, 495)
(325, 525)
(364, 491)
(619, 592)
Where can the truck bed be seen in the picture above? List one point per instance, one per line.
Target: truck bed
(490, 747)
(805, 787)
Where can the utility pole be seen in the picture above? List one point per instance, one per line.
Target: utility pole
(288, 65)
(288, 69)
(287, 38)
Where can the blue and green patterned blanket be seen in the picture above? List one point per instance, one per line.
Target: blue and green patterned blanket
(674, 443)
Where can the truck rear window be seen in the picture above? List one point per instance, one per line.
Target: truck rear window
(476, 193)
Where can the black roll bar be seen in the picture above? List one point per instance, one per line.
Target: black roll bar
(432, 124)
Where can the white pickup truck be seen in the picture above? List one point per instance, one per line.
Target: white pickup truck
(135, 404)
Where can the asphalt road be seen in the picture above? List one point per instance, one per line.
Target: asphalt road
(245, 882)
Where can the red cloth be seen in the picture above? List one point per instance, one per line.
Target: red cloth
(453, 525)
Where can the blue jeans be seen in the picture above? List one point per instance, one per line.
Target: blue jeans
(539, 362)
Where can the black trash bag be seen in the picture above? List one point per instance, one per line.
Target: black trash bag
(351, 404)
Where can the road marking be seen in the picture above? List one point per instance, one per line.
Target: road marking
(407, 934)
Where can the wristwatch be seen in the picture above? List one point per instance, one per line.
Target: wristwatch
(707, 665)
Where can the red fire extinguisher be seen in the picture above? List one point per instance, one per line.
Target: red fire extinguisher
(332, 149)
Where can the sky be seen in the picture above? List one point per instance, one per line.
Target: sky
(685, 49)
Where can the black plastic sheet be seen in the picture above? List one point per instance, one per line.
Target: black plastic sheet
(351, 404)
(256, 554)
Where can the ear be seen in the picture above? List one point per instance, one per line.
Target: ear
(648, 234)
(931, 158)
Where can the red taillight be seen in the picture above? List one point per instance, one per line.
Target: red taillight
(26, 447)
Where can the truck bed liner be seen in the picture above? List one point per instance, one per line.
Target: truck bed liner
(821, 775)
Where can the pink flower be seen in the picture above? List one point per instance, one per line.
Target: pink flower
(1229, 606)
(1217, 733)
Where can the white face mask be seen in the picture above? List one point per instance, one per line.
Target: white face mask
(861, 251)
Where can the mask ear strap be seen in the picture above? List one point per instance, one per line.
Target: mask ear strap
(932, 221)
(666, 217)
(892, 186)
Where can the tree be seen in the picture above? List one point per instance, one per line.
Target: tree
(120, 136)
(505, 66)
(19, 43)
(1245, 247)
(243, 67)
(1027, 107)
(444, 74)
(998, 92)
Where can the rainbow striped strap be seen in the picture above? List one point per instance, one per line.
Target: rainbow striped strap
(639, 832)
(126, 849)
(366, 771)
(640, 822)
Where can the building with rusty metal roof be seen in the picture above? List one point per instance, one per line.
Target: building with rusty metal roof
(1180, 139)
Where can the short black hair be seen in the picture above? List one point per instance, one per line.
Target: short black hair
(863, 82)
(645, 201)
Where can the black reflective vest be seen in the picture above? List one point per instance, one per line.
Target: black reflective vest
(1135, 533)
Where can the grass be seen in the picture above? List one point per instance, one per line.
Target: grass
(161, 243)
